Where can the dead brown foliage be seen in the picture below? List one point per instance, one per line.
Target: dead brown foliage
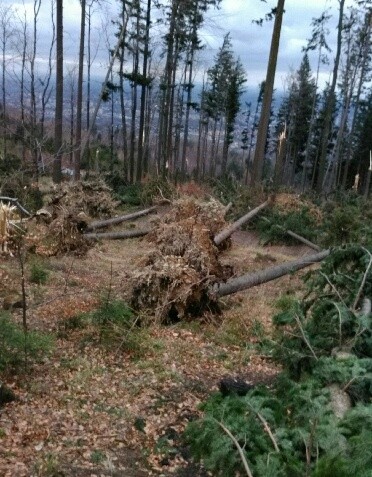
(175, 279)
(287, 203)
(68, 211)
(94, 198)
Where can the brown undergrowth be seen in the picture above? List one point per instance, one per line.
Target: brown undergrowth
(59, 226)
(89, 409)
(174, 281)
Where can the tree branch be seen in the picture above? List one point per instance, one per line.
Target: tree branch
(237, 445)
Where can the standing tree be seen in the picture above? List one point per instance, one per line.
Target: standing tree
(330, 103)
(6, 18)
(253, 133)
(58, 118)
(364, 45)
(146, 80)
(259, 156)
(79, 105)
(222, 101)
(33, 104)
(295, 115)
(234, 91)
(360, 164)
(318, 41)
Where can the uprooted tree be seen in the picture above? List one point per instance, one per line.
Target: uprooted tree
(184, 275)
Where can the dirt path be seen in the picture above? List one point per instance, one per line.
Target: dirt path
(90, 409)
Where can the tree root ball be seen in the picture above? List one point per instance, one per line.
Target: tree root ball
(176, 279)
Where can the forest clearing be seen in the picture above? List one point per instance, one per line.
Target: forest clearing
(126, 373)
(185, 238)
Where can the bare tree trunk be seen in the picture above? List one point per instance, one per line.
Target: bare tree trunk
(22, 87)
(136, 52)
(88, 76)
(259, 156)
(224, 234)
(58, 120)
(33, 119)
(330, 104)
(189, 98)
(279, 163)
(103, 88)
(72, 77)
(123, 114)
(45, 96)
(141, 162)
(117, 220)
(368, 178)
(79, 105)
(251, 280)
(118, 235)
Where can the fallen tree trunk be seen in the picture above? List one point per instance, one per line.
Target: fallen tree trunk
(297, 237)
(303, 240)
(117, 235)
(228, 207)
(117, 220)
(251, 280)
(224, 234)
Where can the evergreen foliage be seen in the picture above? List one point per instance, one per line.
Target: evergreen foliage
(17, 347)
(38, 274)
(363, 146)
(347, 218)
(290, 428)
(113, 318)
(272, 228)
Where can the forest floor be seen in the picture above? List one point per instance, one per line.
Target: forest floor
(89, 409)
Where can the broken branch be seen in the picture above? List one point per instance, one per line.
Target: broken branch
(237, 445)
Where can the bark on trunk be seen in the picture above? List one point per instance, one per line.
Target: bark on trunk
(298, 237)
(250, 280)
(118, 235)
(303, 240)
(224, 234)
(117, 220)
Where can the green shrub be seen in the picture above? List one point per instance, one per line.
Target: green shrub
(16, 346)
(347, 219)
(310, 439)
(130, 194)
(157, 188)
(290, 428)
(38, 274)
(117, 323)
(327, 317)
(272, 228)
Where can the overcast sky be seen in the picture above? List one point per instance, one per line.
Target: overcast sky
(250, 41)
